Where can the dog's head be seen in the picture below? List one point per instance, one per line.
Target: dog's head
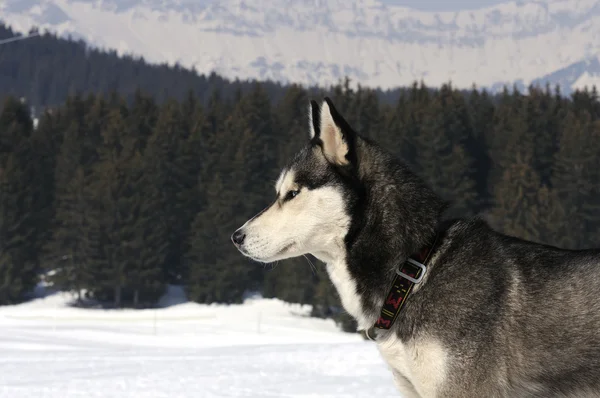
(313, 193)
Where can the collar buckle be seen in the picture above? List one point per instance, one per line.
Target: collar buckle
(410, 278)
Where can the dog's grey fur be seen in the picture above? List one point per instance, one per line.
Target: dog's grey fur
(494, 317)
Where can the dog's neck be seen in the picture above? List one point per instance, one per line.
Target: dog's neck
(361, 272)
(363, 305)
(347, 288)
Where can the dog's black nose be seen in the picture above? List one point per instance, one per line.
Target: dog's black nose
(238, 237)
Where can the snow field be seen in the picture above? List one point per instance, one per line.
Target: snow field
(263, 348)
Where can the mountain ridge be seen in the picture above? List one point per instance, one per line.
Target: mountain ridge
(319, 42)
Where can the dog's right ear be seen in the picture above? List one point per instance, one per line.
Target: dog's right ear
(314, 119)
(336, 137)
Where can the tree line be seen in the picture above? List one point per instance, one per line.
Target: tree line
(113, 200)
(126, 177)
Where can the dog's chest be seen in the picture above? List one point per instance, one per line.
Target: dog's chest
(423, 362)
(346, 288)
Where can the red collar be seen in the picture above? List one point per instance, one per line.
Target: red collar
(407, 275)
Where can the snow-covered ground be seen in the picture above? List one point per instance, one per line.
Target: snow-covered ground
(263, 348)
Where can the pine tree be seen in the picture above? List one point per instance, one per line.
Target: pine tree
(70, 254)
(189, 200)
(509, 134)
(365, 110)
(516, 200)
(443, 160)
(395, 126)
(575, 178)
(551, 216)
(342, 95)
(481, 114)
(544, 119)
(45, 145)
(291, 123)
(254, 165)
(65, 254)
(142, 118)
(207, 245)
(412, 113)
(114, 211)
(167, 171)
(18, 218)
(218, 274)
(148, 244)
(17, 268)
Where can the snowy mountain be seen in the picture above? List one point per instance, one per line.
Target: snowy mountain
(320, 41)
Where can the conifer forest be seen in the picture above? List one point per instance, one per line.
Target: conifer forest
(118, 177)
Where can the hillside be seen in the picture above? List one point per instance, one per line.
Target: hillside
(317, 43)
(46, 69)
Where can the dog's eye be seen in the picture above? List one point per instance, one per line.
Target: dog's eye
(291, 195)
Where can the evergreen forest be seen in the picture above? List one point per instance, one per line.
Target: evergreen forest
(118, 177)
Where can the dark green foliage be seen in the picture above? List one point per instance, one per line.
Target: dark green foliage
(516, 199)
(126, 198)
(171, 166)
(70, 259)
(66, 252)
(20, 203)
(442, 155)
(113, 210)
(217, 272)
(117, 193)
(576, 179)
(481, 113)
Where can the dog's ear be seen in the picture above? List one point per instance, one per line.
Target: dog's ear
(336, 136)
(314, 119)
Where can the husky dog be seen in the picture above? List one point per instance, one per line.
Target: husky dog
(489, 316)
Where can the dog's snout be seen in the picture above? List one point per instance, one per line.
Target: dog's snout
(238, 237)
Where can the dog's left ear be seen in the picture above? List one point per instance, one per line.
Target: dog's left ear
(335, 135)
(314, 119)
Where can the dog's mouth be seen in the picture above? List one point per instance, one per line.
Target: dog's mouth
(279, 255)
(286, 248)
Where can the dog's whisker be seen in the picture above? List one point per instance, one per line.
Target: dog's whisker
(312, 266)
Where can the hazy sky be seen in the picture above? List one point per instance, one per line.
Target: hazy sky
(447, 5)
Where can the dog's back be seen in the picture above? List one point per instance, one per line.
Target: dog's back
(519, 319)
